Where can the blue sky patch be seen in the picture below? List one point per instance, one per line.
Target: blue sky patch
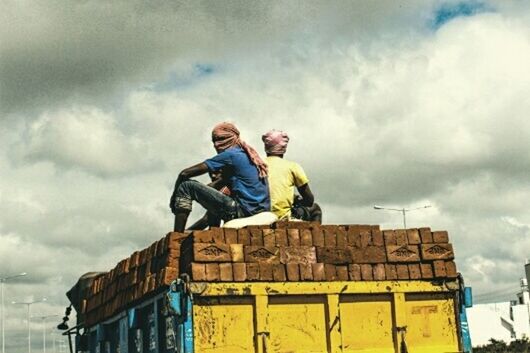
(180, 80)
(447, 12)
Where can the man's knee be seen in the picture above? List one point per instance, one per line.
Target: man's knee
(183, 199)
(185, 187)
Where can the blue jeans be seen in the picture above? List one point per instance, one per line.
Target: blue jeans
(215, 202)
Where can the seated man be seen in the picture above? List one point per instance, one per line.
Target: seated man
(247, 179)
(284, 175)
(209, 219)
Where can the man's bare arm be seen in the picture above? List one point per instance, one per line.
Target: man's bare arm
(190, 172)
(307, 196)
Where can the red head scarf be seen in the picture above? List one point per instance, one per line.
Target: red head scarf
(275, 142)
(226, 135)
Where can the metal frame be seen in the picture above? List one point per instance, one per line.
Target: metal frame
(180, 297)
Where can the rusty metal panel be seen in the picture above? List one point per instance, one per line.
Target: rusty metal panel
(366, 323)
(297, 324)
(431, 323)
(224, 325)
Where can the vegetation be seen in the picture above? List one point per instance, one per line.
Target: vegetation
(517, 346)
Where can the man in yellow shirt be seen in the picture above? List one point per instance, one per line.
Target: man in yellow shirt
(284, 176)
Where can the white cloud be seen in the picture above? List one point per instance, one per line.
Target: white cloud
(379, 109)
(87, 139)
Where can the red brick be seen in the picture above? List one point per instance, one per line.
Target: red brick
(240, 271)
(293, 272)
(413, 236)
(152, 250)
(318, 236)
(306, 272)
(390, 272)
(175, 239)
(218, 235)
(414, 271)
(212, 272)
(425, 235)
(426, 271)
(209, 252)
(253, 271)
(198, 272)
(440, 237)
(369, 254)
(331, 255)
(225, 272)
(278, 273)
(354, 272)
(437, 251)
(318, 272)
(281, 225)
(402, 271)
(342, 273)
(293, 236)
(202, 236)
(265, 271)
(367, 272)
(298, 254)
(403, 253)
(354, 236)
(330, 238)
(236, 253)
(306, 239)
(269, 254)
(268, 237)
(243, 236)
(439, 269)
(377, 238)
(166, 276)
(366, 238)
(379, 272)
(401, 236)
(231, 235)
(281, 237)
(450, 269)
(342, 239)
(330, 272)
(256, 236)
(161, 247)
(390, 237)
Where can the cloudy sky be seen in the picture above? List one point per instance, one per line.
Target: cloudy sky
(399, 103)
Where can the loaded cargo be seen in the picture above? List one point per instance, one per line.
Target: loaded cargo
(287, 287)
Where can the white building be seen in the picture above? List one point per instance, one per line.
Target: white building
(502, 321)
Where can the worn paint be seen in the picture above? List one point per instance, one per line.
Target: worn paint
(356, 317)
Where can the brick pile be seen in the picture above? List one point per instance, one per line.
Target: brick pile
(284, 251)
(135, 277)
(303, 251)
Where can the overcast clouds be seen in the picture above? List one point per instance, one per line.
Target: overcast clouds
(386, 102)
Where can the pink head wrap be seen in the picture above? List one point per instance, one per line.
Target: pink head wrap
(226, 135)
(275, 142)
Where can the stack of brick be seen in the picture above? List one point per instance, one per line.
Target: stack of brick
(135, 277)
(296, 251)
(285, 251)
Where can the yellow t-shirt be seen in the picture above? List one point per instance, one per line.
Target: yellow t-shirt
(283, 176)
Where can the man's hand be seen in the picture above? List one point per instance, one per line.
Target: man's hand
(307, 196)
(193, 171)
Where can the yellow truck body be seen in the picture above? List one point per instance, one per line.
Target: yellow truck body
(304, 317)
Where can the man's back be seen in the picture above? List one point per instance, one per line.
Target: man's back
(284, 176)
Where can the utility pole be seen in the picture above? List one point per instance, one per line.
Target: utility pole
(3, 280)
(29, 304)
(402, 210)
(43, 318)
